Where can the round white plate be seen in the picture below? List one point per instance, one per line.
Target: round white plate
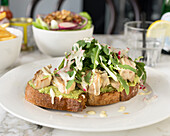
(140, 113)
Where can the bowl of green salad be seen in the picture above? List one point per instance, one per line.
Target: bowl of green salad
(56, 32)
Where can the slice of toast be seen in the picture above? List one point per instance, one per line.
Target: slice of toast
(74, 105)
(133, 90)
(111, 97)
(44, 100)
(103, 99)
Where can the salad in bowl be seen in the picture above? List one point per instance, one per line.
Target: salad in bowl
(64, 20)
(55, 33)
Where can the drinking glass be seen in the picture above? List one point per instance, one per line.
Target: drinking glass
(134, 32)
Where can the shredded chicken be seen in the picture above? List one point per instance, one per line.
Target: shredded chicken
(105, 79)
(127, 74)
(42, 78)
(59, 83)
(115, 84)
(94, 88)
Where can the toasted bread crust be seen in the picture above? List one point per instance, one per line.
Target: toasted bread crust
(74, 105)
(111, 97)
(133, 90)
(44, 100)
(103, 99)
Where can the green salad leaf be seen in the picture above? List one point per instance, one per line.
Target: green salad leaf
(69, 84)
(97, 56)
(87, 77)
(141, 70)
(61, 65)
(123, 83)
(39, 23)
(89, 23)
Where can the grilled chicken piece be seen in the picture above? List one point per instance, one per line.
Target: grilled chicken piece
(127, 74)
(42, 78)
(115, 84)
(94, 88)
(59, 83)
(105, 79)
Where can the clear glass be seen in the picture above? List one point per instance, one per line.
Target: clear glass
(133, 32)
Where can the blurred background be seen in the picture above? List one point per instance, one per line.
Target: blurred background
(124, 10)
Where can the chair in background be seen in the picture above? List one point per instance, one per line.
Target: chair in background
(33, 4)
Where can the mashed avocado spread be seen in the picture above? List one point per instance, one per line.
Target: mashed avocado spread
(73, 94)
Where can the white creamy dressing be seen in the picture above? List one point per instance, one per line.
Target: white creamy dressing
(109, 62)
(88, 40)
(76, 54)
(93, 70)
(97, 63)
(75, 46)
(118, 68)
(91, 112)
(98, 44)
(52, 94)
(84, 84)
(149, 100)
(98, 86)
(60, 96)
(122, 108)
(103, 114)
(46, 71)
(83, 96)
(59, 85)
(94, 88)
(65, 76)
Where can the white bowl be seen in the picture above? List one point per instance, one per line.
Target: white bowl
(56, 43)
(10, 49)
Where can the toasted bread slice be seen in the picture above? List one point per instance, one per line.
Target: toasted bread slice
(44, 100)
(111, 97)
(133, 90)
(103, 99)
(74, 105)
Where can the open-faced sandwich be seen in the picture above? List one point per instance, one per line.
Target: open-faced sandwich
(92, 74)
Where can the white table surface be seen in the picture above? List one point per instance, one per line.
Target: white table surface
(13, 126)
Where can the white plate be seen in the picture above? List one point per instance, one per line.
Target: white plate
(141, 113)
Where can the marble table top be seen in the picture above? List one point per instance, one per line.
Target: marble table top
(13, 126)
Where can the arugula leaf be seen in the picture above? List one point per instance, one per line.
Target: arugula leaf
(70, 73)
(77, 81)
(121, 80)
(127, 67)
(94, 58)
(69, 84)
(108, 70)
(88, 45)
(114, 62)
(95, 55)
(123, 83)
(140, 57)
(61, 65)
(141, 71)
(78, 77)
(87, 77)
(104, 59)
(106, 50)
(81, 43)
